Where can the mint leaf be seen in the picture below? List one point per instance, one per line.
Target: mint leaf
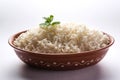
(48, 21)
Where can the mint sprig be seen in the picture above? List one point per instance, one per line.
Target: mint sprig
(49, 21)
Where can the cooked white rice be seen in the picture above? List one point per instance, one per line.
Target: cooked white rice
(62, 39)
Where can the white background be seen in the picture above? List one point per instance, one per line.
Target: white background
(18, 15)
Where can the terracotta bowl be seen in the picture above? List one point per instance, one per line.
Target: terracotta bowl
(60, 62)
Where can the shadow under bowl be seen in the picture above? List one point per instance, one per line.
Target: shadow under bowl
(60, 62)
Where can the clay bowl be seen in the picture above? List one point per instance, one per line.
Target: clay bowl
(60, 62)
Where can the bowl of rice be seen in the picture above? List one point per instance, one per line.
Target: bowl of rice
(61, 46)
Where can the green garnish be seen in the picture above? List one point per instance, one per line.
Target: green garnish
(49, 21)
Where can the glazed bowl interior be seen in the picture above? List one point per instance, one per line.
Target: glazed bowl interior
(60, 62)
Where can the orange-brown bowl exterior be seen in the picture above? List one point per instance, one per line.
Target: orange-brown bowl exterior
(60, 62)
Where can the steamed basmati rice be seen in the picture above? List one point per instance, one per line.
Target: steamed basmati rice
(62, 39)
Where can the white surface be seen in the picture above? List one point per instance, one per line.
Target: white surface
(18, 15)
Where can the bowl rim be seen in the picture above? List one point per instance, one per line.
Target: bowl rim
(12, 38)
